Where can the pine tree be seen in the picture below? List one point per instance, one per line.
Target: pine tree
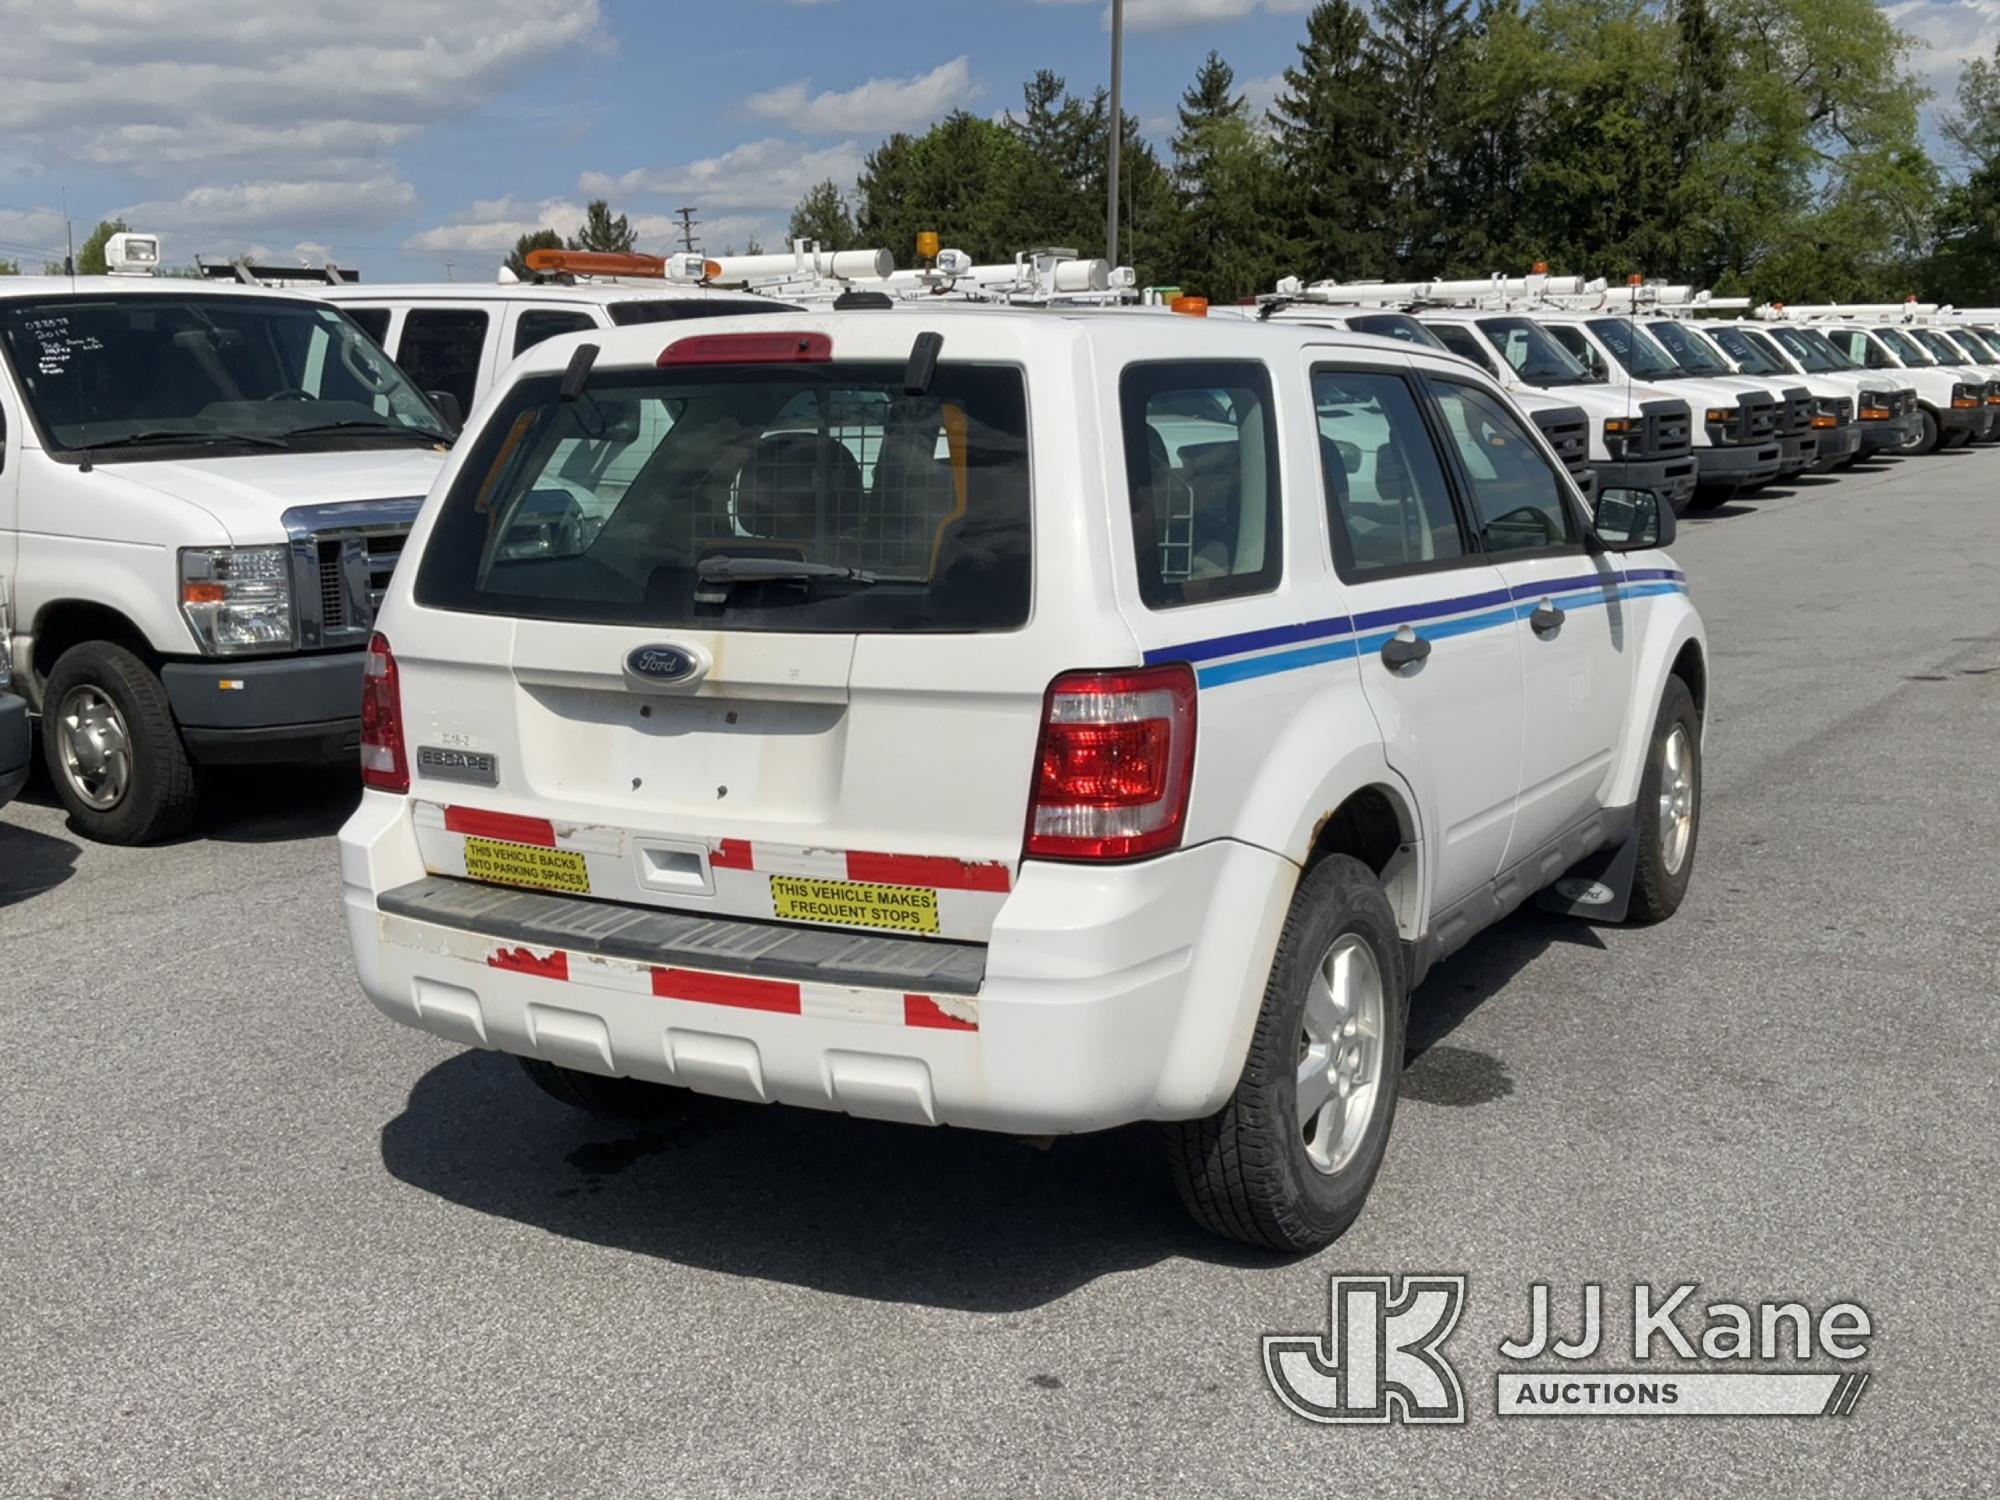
(823, 216)
(601, 231)
(1419, 53)
(1230, 243)
(1329, 144)
(540, 239)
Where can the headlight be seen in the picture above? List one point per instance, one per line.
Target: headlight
(238, 599)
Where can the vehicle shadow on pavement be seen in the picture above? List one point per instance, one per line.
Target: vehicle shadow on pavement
(274, 804)
(31, 862)
(1439, 1071)
(944, 1218)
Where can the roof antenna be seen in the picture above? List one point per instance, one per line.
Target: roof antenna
(923, 364)
(578, 372)
(69, 235)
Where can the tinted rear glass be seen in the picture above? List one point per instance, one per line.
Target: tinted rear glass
(673, 309)
(632, 504)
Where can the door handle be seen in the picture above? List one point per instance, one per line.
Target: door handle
(1547, 619)
(1402, 650)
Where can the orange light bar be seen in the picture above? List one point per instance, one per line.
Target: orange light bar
(1541, 268)
(1193, 307)
(595, 263)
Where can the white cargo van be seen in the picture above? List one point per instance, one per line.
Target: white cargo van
(456, 337)
(1884, 414)
(1832, 437)
(203, 490)
(1012, 720)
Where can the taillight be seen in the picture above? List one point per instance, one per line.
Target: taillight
(384, 763)
(1114, 764)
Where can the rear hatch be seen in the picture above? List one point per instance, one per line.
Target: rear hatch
(745, 639)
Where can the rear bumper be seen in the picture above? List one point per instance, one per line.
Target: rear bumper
(1740, 466)
(1672, 479)
(14, 746)
(294, 710)
(1109, 995)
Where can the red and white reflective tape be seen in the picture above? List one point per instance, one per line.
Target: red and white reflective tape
(829, 1002)
(938, 872)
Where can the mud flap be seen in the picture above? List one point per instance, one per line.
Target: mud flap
(1598, 889)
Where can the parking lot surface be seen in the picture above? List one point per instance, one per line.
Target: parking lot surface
(257, 1240)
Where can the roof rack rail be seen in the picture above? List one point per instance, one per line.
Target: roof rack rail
(249, 273)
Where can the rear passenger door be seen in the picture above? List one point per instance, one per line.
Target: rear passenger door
(1432, 620)
(1570, 625)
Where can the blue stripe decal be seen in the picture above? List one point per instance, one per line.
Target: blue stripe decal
(1341, 638)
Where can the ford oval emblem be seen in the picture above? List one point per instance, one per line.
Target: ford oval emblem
(666, 666)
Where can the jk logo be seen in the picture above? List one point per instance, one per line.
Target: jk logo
(1381, 1358)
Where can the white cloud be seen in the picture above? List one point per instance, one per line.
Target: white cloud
(138, 83)
(879, 106)
(1953, 33)
(322, 204)
(490, 227)
(766, 174)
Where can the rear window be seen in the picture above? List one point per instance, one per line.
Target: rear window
(673, 309)
(792, 498)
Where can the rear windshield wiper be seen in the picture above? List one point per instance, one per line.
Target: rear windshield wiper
(165, 435)
(775, 570)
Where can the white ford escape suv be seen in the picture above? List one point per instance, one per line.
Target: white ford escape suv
(1011, 720)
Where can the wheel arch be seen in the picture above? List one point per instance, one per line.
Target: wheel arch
(63, 623)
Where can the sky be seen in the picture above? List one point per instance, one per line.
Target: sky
(415, 139)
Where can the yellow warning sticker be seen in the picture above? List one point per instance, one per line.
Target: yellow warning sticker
(851, 903)
(526, 865)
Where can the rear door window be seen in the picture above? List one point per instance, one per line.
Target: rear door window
(783, 497)
(441, 350)
(1201, 463)
(674, 309)
(538, 324)
(1388, 502)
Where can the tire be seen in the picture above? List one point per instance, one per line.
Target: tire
(155, 794)
(1926, 439)
(613, 1098)
(1666, 863)
(1247, 1172)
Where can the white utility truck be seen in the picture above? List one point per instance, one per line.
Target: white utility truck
(1635, 438)
(1883, 413)
(1013, 720)
(1952, 408)
(202, 494)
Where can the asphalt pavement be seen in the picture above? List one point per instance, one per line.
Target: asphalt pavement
(256, 1240)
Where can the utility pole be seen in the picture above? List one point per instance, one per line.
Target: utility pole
(1117, 129)
(688, 224)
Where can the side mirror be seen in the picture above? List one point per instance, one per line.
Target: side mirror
(1633, 520)
(446, 405)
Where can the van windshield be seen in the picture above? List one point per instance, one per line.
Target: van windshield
(1688, 350)
(1752, 354)
(151, 374)
(1533, 355)
(1810, 348)
(1637, 350)
(1900, 346)
(1395, 326)
(746, 497)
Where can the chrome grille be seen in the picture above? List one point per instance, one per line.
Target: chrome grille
(342, 560)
